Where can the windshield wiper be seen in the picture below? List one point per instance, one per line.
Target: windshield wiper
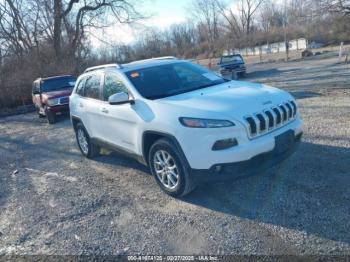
(201, 87)
(181, 92)
(157, 96)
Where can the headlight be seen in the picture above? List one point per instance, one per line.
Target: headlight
(53, 101)
(204, 123)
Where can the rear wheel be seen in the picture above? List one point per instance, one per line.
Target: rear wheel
(87, 148)
(170, 169)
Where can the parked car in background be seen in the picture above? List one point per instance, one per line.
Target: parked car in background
(185, 122)
(51, 96)
(232, 66)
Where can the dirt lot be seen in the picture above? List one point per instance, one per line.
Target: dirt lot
(57, 202)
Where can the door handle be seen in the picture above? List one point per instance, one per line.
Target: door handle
(104, 110)
(81, 105)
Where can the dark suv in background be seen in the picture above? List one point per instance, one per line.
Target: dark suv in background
(51, 96)
(232, 66)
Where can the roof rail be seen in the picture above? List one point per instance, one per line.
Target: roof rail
(164, 57)
(89, 69)
(153, 59)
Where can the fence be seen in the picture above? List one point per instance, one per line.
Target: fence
(296, 44)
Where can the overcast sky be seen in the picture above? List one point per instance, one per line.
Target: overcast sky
(163, 13)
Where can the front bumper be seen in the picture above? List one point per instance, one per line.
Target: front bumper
(257, 164)
(230, 70)
(59, 109)
(198, 148)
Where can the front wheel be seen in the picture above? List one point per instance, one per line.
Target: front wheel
(243, 74)
(37, 108)
(170, 168)
(87, 148)
(51, 117)
(234, 75)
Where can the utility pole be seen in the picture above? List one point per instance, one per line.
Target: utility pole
(340, 52)
(286, 42)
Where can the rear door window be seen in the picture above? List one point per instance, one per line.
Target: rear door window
(92, 87)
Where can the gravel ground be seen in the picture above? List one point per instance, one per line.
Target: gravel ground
(54, 201)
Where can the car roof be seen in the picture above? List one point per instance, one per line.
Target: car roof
(149, 63)
(135, 65)
(231, 55)
(52, 77)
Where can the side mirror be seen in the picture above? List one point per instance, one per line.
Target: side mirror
(120, 98)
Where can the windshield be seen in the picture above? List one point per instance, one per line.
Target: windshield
(172, 79)
(231, 59)
(57, 83)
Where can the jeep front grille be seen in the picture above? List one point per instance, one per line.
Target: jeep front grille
(252, 125)
(263, 122)
(294, 108)
(278, 115)
(284, 112)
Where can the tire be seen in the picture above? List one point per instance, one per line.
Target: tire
(234, 75)
(89, 150)
(184, 182)
(38, 112)
(51, 118)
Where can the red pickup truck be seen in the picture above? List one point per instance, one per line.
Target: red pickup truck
(51, 96)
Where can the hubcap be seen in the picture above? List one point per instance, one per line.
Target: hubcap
(166, 169)
(83, 141)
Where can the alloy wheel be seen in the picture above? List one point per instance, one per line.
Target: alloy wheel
(83, 143)
(166, 169)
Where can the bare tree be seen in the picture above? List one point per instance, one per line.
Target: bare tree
(239, 19)
(206, 12)
(247, 9)
(182, 36)
(14, 27)
(86, 13)
(337, 6)
(232, 21)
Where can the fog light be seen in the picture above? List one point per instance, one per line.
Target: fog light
(224, 144)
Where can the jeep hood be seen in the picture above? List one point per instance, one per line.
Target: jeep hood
(232, 99)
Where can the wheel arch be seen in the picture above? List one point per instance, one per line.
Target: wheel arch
(75, 120)
(149, 137)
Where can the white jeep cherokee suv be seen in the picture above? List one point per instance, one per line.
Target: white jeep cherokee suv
(185, 122)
